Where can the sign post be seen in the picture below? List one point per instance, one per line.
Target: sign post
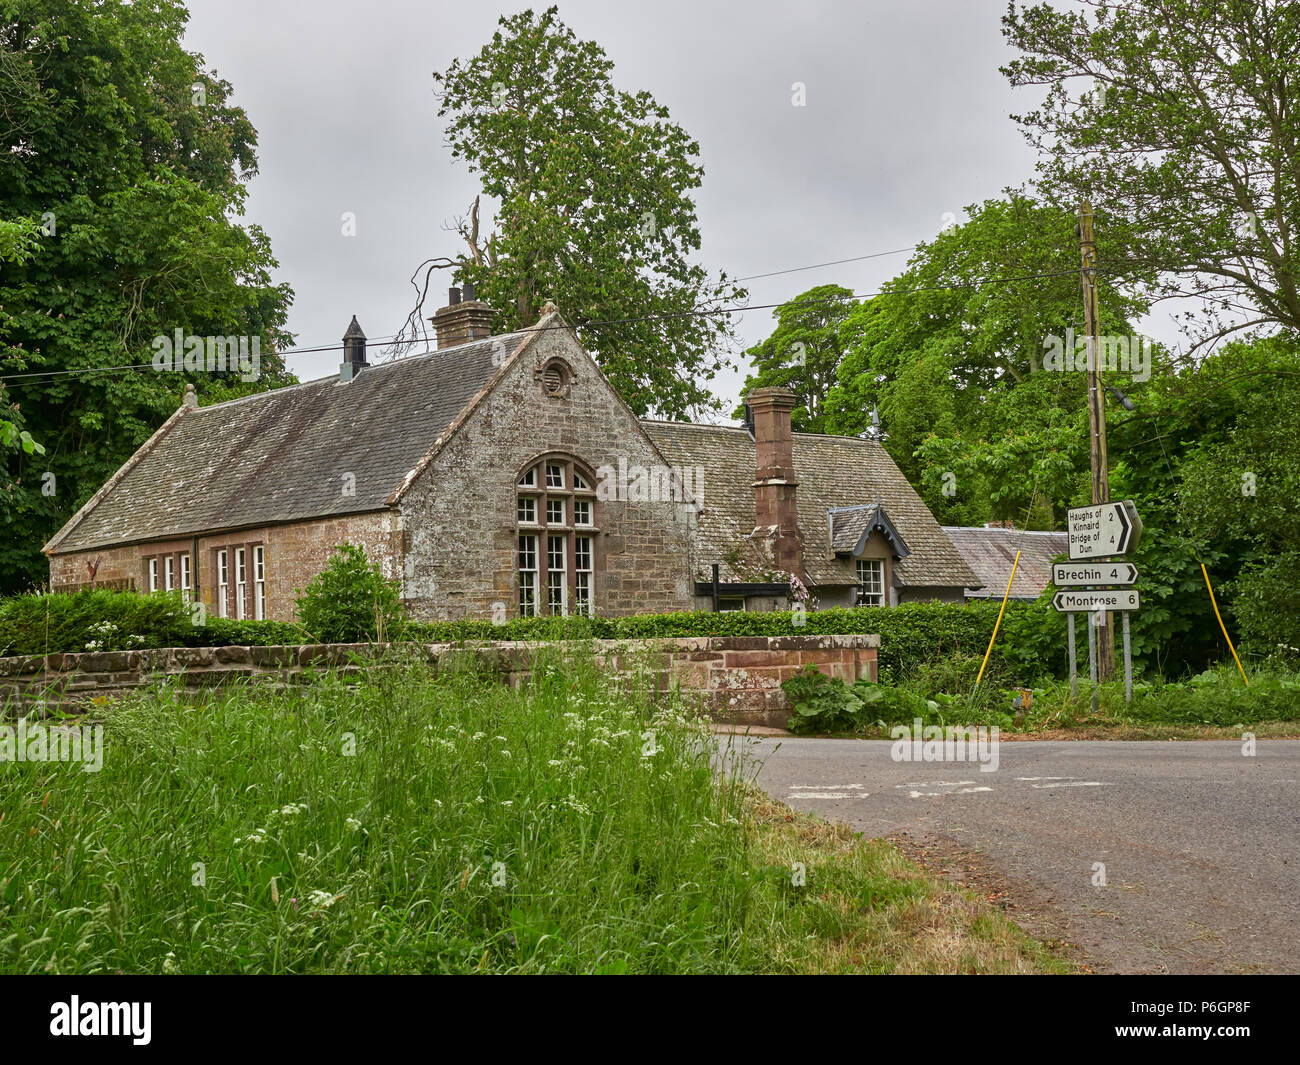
(1074, 665)
(1093, 582)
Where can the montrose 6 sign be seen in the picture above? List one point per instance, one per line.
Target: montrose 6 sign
(1086, 602)
(1082, 574)
(1103, 529)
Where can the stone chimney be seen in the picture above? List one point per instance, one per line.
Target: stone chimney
(775, 511)
(354, 351)
(463, 319)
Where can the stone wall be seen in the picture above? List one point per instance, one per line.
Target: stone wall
(732, 678)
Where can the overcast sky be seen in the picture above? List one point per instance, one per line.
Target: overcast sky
(906, 121)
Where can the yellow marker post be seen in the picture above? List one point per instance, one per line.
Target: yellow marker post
(998, 624)
(1223, 626)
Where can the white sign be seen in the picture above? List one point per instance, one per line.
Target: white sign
(1087, 601)
(1082, 574)
(1103, 529)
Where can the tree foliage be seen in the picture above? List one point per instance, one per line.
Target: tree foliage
(593, 187)
(803, 353)
(1182, 117)
(126, 152)
(952, 355)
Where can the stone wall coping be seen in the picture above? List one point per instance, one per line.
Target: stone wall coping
(149, 659)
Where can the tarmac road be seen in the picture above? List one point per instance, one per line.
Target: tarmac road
(1200, 843)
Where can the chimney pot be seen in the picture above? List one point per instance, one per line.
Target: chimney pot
(453, 296)
(354, 351)
(464, 319)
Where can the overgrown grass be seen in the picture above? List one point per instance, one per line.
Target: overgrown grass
(1214, 703)
(411, 822)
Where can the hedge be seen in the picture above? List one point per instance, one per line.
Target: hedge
(910, 635)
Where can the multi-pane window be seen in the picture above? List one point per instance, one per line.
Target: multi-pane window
(168, 573)
(259, 582)
(241, 583)
(871, 582)
(582, 573)
(528, 576)
(556, 568)
(556, 574)
(223, 584)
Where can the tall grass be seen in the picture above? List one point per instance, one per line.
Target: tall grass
(409, 822)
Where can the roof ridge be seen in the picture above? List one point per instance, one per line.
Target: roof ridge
(370, 368)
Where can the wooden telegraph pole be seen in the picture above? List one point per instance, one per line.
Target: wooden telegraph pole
(1096, 412)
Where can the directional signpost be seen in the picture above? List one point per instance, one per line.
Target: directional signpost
(1103, 530)
(1082, 574)
(1096, 534)
(1087, 602)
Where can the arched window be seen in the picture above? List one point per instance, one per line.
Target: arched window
(555, 511)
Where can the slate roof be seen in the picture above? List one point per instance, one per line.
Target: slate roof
(991, 552)
(833, 471)
(280, 456)
(849, 529)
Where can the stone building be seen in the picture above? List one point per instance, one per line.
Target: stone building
(497, 476)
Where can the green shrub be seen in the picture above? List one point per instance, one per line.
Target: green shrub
(827, 704)
(351, 601)
(93, 621)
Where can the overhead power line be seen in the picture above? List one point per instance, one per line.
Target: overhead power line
(597, 324)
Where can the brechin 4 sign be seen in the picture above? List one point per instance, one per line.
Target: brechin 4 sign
(1083, 574)
(1103, 529)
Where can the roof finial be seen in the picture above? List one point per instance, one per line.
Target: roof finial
(191, 397)
(549, 308)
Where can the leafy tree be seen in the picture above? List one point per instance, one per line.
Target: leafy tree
(803, 353)
(595, 211)
(127, 153)
(953, 351)
(1238, 488)
(1181, 117)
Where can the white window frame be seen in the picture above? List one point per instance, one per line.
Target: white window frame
(583, 576)
(223, 583)
(259, 582)
(185, 576)
(559, 522)
(153, 575)
(241, 582)
(530, 504)
(561, 571)
(873, 587)
(582, 507)
(528, 590)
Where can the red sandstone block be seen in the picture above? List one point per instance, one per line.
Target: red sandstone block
(746, 659)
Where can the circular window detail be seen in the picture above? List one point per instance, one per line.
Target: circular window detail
(556, 378)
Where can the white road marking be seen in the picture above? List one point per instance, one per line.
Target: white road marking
(1074, 784)
(935, 784)
(827, 795)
